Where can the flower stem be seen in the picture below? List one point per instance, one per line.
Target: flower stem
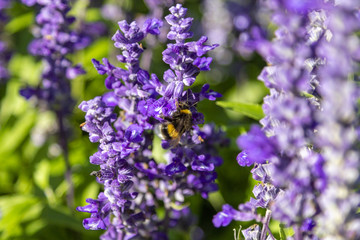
(270, 233)
(266, 222)
(64, 146)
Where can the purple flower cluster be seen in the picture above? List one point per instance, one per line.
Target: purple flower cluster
(156, 7)
(236, 25)
(54, 40)
(4, 4)
(217, 24)
(5, 53)
(136, 185)
(308, 148)
(338, 124)
(248, 22)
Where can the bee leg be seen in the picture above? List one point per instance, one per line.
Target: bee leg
(169, 119)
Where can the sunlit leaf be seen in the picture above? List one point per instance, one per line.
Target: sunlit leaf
(91, 191)
(179, 207)
(251, 110)
(11, 138)
(158, 152)
(285, 232)
(42, 174)
(216, 200)
(20, 22)
(35, 226)
(15, 210)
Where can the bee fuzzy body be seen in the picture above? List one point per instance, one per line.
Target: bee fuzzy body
(176, 125)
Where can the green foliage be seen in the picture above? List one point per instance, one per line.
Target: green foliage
(19, 23)
(157, 151)
(281, 231)
(251, 110)
(216, 200)
(17, 210)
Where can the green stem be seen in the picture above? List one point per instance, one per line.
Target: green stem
(65, 150)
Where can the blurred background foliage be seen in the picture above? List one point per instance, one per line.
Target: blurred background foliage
(33, 189)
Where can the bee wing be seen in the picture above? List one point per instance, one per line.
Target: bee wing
(157, 130)
(174, 142)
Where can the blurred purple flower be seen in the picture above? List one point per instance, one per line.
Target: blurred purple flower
(309, 131)
(55, 41)
(5, 52)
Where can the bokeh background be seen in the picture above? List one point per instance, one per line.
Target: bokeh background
(32, 185)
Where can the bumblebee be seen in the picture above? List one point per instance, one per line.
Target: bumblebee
(96, 174)
(176, 125)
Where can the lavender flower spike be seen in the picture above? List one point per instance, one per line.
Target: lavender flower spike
(5, 53)
(310, 130)
(54, 41)
(185, 59)
(135, 184)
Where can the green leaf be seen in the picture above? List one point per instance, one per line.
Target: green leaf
(19, 23)
(91, 191)
(35, 226)
(178, 206)
(247, 92)
(216, 200)
(15, 210)
(251, 110)
(158, 152)
(282, 232)
(307, 95)
(59, 217)
(93, 14)
(42, 174)
(160, 212)
(11, 138)
(97, 50)
(13, 105)
(26, 68)
(285, 232)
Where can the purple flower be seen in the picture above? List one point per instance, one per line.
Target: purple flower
(153, 26)
(203, 63)
(99, 210)
(29, 2)
(133, 133)
(243, 159)
(4, 59)
(175, 167)
(184, 58)
(259, 148)
(309, 131)
(308, 225)
(5, 53)
(134, 183)
(55, 40)
(88, 32)
(130, 33)
(245, 212)
(223, 218)
(252, 232)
